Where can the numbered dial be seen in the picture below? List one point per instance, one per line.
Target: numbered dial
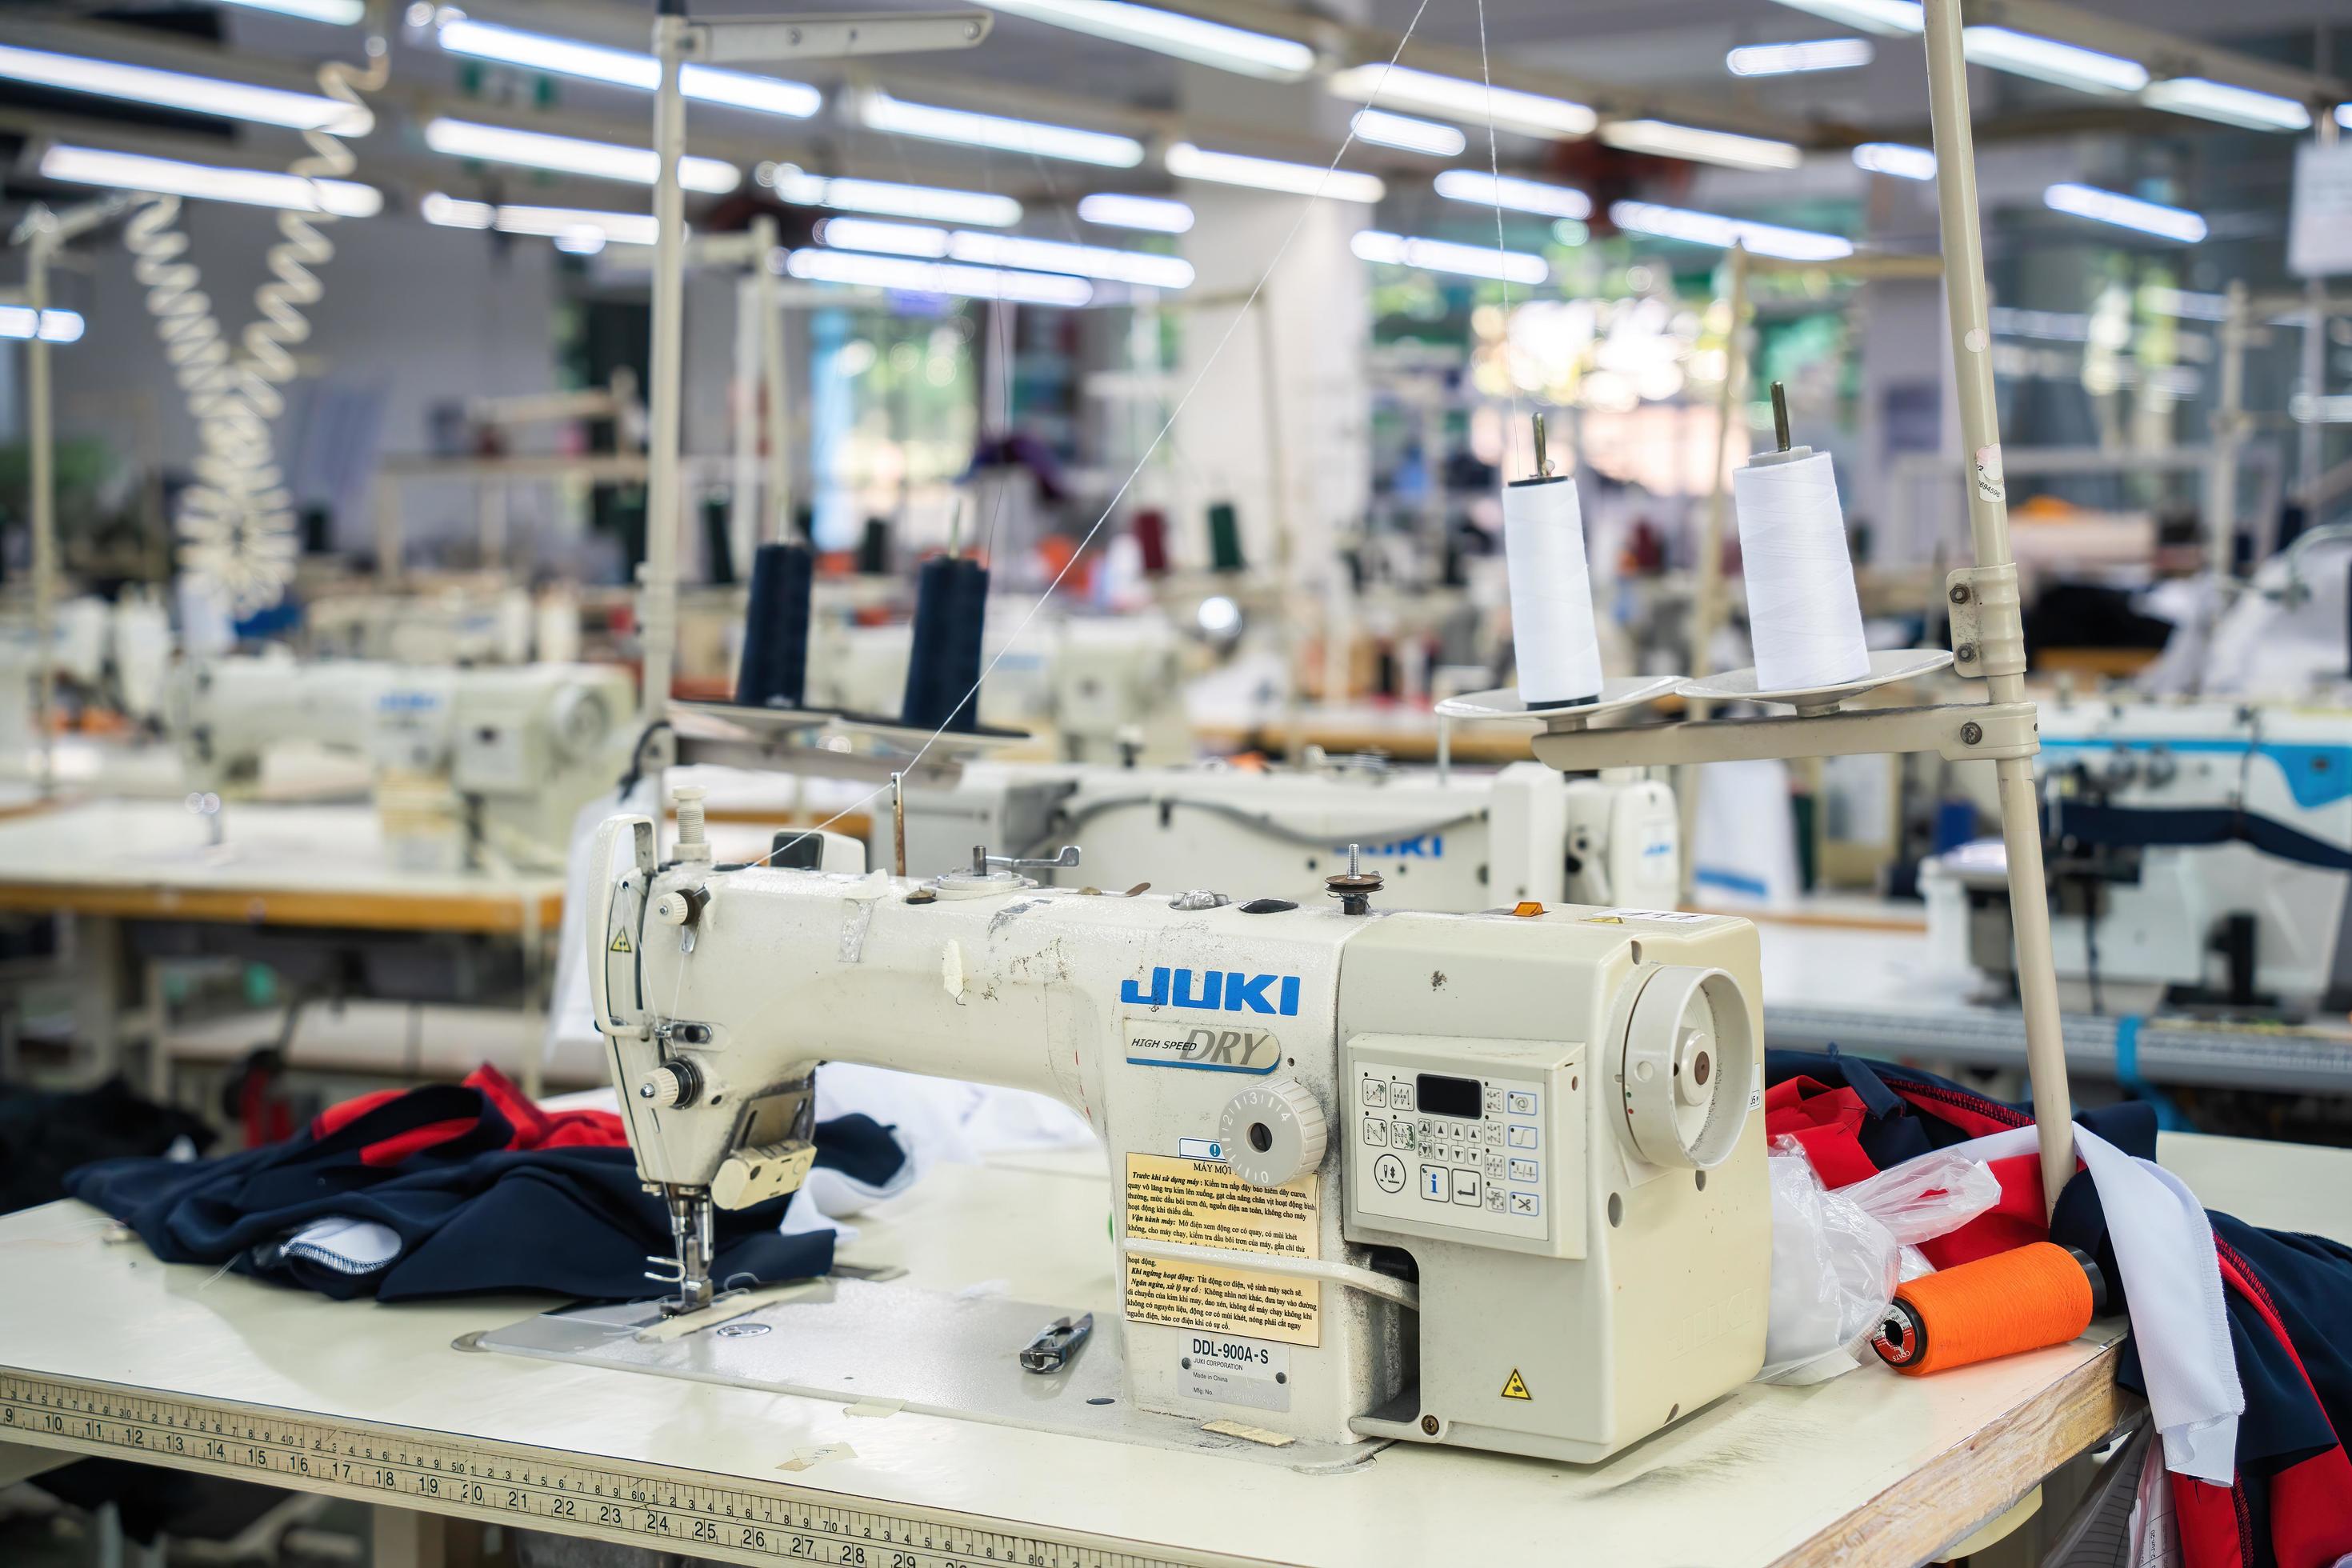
(1273, 1133)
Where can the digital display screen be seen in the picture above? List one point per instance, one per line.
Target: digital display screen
(1450, 1095)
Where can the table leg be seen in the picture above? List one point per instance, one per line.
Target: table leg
(97, 968)
(154, 1012)
(404, 1538)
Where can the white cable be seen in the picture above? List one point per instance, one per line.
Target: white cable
(236, 525)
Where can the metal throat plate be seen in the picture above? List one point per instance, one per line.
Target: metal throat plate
(859, 1342)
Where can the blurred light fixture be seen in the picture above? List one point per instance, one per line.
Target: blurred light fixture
(1444, 255)
(1468, 102)
(2183, 305)
(572, 156)
(2220, 101)
(461, 34)
(178, 90)
(2047, 59)
(1113, 209)
(1889, 19)
(878, 110)
(1711, 228)
(1403, 130)
(1895, 158)
(1787, 59)
(1010, 250)
(1186, 38)
(1664, 138)
(934, 203)
(1508, 191)
(568, 226)
(1186, 162)
(57, 326)
(2125, 212)
(208, 182)
(908, 275)
(340, 13)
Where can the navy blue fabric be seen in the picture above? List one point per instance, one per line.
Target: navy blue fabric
(471, 1215)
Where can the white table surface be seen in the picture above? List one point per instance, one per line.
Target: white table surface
(1827, 1473)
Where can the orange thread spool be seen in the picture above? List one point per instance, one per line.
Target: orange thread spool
(2037, 1295)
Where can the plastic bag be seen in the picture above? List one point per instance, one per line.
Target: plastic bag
(1838, 1255)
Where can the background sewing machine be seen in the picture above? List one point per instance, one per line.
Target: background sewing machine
(1454, 841)
(2198, 856)
(1482, 1179)
(1110, 689)
(501, 757)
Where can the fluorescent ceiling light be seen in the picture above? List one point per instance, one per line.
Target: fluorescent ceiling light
(626, 68)
(1890, 18)
(930, 201)
(1469, 102)
(1159, 215)
(1186, 162)
(1708, 229)
(57, 326)
(1006, 250)
(2055, 326)
(1186, 38)
(1403, 130)
(1519, 195)
(2333, 409)
(1444, 256)
(2046, 60)
(2125, 212)
(2343, 115)
(578, 228)
(255, 188)
(1905, 163)
(2182, 303)
(1666, 140)
(572, 155)
(1785, 59)
(2229, 105)
(909, 275)
(177, 90)
(880, 112)
(340, 13)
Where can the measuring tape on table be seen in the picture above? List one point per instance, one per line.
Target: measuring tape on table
(644, 1505)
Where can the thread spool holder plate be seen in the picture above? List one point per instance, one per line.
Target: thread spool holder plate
(823, 742)
(1887, 666)
(1617, 695)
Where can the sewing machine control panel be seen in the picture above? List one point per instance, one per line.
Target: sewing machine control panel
(1439, 1146)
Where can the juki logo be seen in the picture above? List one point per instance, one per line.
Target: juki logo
(1427, 846)
(1214, 989)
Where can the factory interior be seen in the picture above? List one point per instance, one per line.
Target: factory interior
(1108, 784)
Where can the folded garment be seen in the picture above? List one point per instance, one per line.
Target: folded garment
(480, 1204)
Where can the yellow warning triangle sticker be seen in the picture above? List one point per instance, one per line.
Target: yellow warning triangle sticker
(621, 942)
(1516, 1388)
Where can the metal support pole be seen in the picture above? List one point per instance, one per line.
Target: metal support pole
(779, 495)
(1278, 461)
(743, 528)
(658, 621)
(2311, 458)
(40, 437)
(2229, 438)
(1965, 292)
(1706, 599)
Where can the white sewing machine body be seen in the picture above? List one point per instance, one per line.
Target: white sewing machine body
(1481, 1180)
(2169, 921)
(1452, 842)
(525, 745)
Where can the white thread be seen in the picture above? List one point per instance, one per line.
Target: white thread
(1557, 644)
(1802, 610)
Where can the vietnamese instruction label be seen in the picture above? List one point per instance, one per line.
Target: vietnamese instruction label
(1198, 1203)
(1235, 1372)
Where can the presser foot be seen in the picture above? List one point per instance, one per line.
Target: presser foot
(687, 1274)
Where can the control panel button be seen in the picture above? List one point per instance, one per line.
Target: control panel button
(1520, 1102)
(1388, 1173)
(1400, 1095)
(1520, 1137)
(1403, 1136)
(1434, 1183)
(1490, 1134)
(1376, 1132)
(1525, 1171)
(1493, 1101)
(1376, 1093)
(1494, 1200)
(1465, 1187)
(1494, 1168)
(1526, 1206)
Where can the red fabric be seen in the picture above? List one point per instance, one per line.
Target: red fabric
(2311, 1502)
(2214, 1533)
(533, 1127)
(1826, 1123)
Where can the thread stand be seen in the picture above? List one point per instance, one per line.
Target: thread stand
(825, 743)
(1621, 694)
(1887, 667)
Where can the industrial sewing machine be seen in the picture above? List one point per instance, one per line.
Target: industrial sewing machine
(521, 747)
(1451, 841)
(2196, 854)
(1486, 1179)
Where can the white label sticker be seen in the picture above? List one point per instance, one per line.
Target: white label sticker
(1682, 917)
(1993, 480)
(1235, 1372)
(1756, 1089)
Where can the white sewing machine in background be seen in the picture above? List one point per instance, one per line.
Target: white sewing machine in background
(521, 748)
(1455, 841)
(1110, 688)
(2197, 855)
(1486, 1180)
